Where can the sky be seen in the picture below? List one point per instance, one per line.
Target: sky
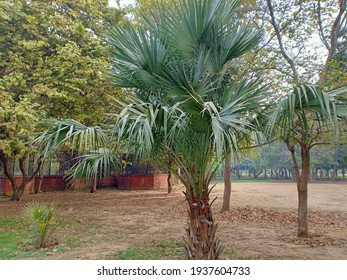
(112, 3)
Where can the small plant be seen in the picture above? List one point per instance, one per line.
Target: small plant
(41, 216)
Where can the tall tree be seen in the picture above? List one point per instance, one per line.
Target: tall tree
(303, 117)
(53, 58)
(186, 103)
(306, 113)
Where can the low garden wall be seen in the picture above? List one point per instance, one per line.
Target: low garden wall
(57, 183)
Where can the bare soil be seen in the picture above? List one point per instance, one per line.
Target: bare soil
(260, 225)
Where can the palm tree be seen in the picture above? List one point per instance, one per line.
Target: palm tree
(303, 119)
(181, 101)
(185, 102)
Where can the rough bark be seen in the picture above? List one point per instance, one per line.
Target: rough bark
(302, 185)
(200, 240)
(227, 183)
(40, 174)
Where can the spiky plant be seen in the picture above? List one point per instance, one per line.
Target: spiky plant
(42, 222)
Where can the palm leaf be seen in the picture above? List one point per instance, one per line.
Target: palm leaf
(93, 165)
(71, 133)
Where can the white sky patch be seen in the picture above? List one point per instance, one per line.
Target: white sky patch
(113, 3)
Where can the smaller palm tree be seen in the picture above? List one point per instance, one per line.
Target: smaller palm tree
(41, 216)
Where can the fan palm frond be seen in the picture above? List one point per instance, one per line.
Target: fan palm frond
(72, 133)
(97, 164)
(308, 104)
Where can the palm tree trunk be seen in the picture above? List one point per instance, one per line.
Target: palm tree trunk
(200, 241)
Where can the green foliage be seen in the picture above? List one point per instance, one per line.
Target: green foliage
(96, 160)
(54, 53)
(42, 222)
(13, 233)
(97, 164)
(187, 103)
(53, 64)
(306, 113)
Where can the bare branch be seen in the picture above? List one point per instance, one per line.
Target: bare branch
(279, 38)
(334, 35)
(320, 23)
(260, 145)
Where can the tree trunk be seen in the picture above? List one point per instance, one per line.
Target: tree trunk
(286, 173)
(321, 171)
(227, 183)
(169, 176)
(169, 184)
(16, 194)
(334, 174)
(302, 210)
(303, 192)
(7, 171)
(200, 240)
(302, 185)
(93, 189)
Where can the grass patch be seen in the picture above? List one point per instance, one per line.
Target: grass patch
(231, 254)
(15, 237)
(73, 242)
(163, 250)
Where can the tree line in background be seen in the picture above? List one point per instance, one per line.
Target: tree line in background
(274, 162)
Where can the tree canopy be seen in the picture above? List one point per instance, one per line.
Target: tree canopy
(54, 63)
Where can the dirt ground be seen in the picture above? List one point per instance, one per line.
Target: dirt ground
(260, 225)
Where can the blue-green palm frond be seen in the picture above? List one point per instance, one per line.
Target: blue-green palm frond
(139, 55)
